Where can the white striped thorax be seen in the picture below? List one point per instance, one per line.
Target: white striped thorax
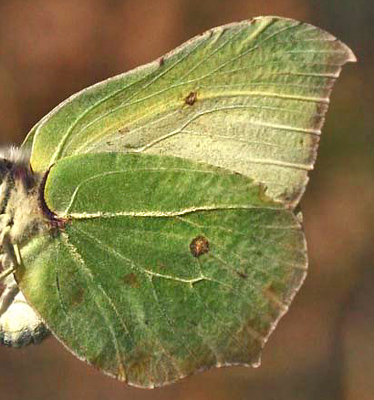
(20, 219)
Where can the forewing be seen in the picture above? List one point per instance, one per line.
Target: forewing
(250, 97)
(164, 266)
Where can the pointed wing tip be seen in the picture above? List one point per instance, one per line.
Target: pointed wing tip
(350, 56)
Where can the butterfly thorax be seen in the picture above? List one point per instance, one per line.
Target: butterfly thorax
(20, 212)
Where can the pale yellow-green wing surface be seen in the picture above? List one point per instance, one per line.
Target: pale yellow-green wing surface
(164, 266)
(249, 97)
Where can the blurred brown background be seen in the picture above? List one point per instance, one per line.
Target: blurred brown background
(324, 347)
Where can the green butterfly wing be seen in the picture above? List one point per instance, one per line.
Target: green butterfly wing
(164, 266)
(249, 97)
(176, 183)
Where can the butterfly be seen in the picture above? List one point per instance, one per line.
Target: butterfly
(150, 222)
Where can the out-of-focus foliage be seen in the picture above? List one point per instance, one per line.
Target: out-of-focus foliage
(323, 348)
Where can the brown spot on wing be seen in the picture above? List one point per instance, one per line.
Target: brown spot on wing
(131, 280)
(199, 246)
(191, 98)
(242, 275)
(124, 130)
(78, 296)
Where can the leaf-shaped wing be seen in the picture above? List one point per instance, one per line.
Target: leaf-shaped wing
(165, 266)
(249, 97)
